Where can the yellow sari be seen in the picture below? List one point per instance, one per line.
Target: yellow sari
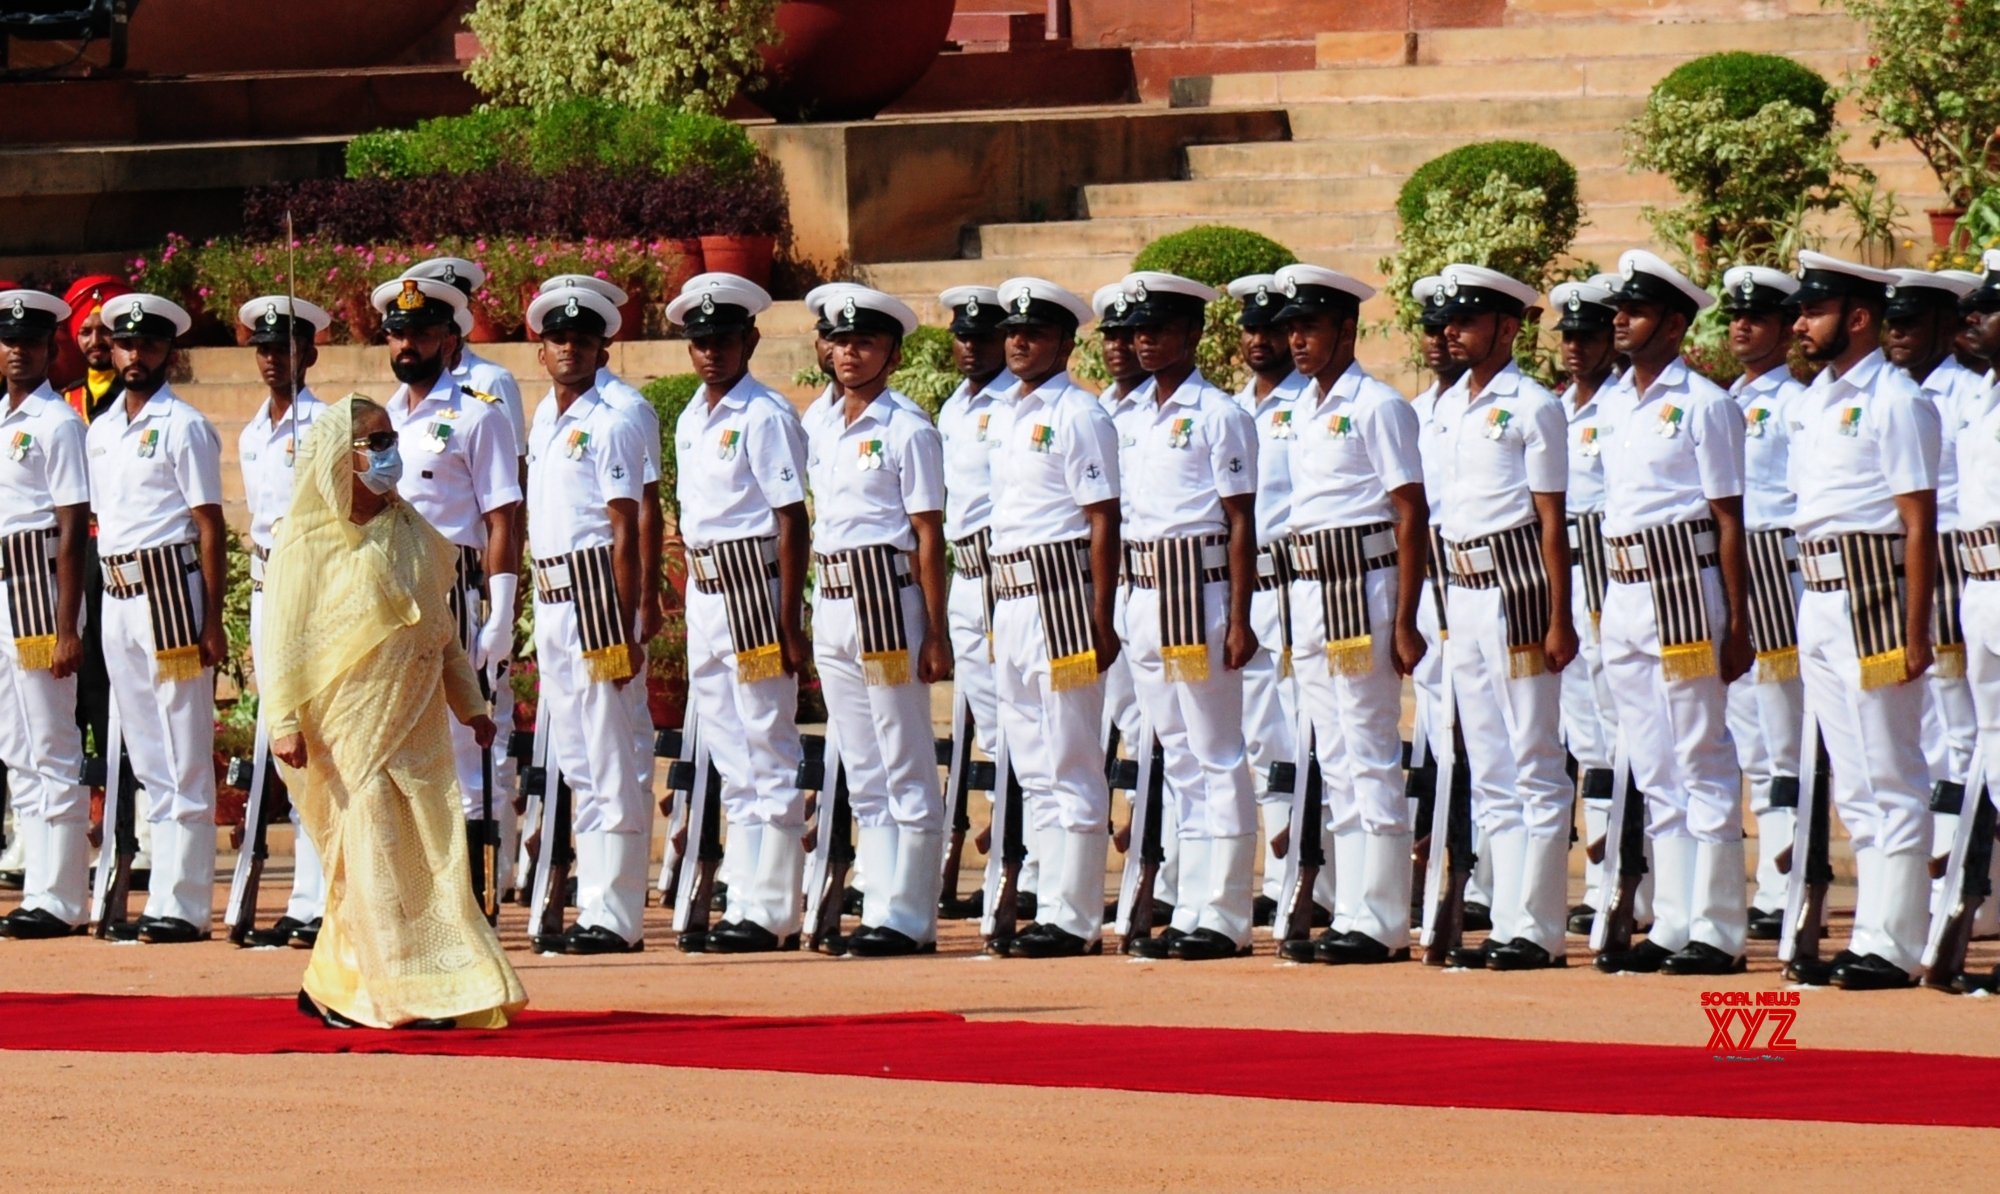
(364, 663)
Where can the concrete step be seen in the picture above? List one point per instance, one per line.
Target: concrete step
(1600, 40)
(1621, 76)
(1536, 116)
(1307, 193)
(1531, 12)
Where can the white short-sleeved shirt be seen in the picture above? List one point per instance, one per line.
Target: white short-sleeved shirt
(268, 453)
(45, 465)
(475, 372)
(579, 462)
(1351, 446)
(869, 476)
(1858, 441)
(1275, 429)
(1493, 452)
(1768, 501)
(1423, 405)
(459, 459)
(1117, 403)
(1976, 444)
(1958, 393)
(1193, 450)
(1055, 451)
(1586, 450)
(965, 421)
(626, 399)
(737, 460)
(148, 475)
(1669, 451)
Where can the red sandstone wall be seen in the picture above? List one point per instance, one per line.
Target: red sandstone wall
(1196, 37)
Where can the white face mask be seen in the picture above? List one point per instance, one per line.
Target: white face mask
(385, 468)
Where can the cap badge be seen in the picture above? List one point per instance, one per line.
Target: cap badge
(1451, 284)
(270, 315)
(569, 308)
(972, 307)
(1022, 304)
(847, 310)
(1139, 291)
(708, 304)
(1291, 288)
(134, 316)
(20, 309)
(1575, 301)
(1263, 295)
(1749, 287)
(1889, 291)
(1627, 268)
(450, 275)
(412, 297)
(1437, 297)
(1121, 304)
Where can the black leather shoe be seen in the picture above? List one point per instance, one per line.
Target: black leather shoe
(127, 930)
(1207, 945)
(1643, 958)
(1300, 950)
(307, 935)
(1047, 941)
(35, 924)
(1478, 918)
(171, 930)
(1968, 983)
(549, 944)
(1026, 905)
(1872, 972)
(1582, 918)
(277, 936)
(426, 1025)
(307, 1007)
(1523, 954)
(881, 941)
(747, 937)
(850, 901)
(13, 880)
(1473, 957)
(1157, 948)
(972, 907)
(1815, 972)
(1699, 957)
(1765, 926)
(1263, 910)
(599, 940)
(1358, 949)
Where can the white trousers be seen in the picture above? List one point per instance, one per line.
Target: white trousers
(1511, 724)
(40, 743)
(169, 732)
(1052, 737)
(1355, 719)
(751, 729)
(1589, 716)
(1121, 700)
(1676, 732)
(1199, 724)
(884, 730)
(1950, 727)
(308, 898)
(1270, 698)
(1767, 723)
(1980, 607)
(972, 655)
(1872, 737)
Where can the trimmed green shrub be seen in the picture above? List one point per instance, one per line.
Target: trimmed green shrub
(928, 374)
(1214, 254)
(571, 135)
(441, 145)
(1458, 176)
(669, 396)
(1745, 82)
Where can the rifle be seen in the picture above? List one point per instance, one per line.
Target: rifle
(1805, 920)
(1003, 865)
(1293, 926)
(1142, 865)
(678, 747)
(1612, 931)
(1451, 819)
(256, 775)
(963, 776)
(554, 853)
(483, 836)
(833, 844)
(521, 749)
(121, 834)
(1969, 873)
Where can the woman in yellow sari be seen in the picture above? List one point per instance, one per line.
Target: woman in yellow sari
(364, 669)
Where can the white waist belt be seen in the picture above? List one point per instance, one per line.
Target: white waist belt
(1215, 555)
(1018, 574)
(1470, 561)
(1983, 558)
(1632, 558)
(127, 575)
(839, 574)
(1825, 567)
(1374, 546)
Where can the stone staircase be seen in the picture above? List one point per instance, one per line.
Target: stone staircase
(1378, 105)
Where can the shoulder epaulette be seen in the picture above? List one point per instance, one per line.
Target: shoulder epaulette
(482, 395)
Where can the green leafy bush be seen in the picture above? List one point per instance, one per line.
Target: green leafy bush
(1214, 254)
(1933, 78)
(1507, 205)
(670, 396)
(1748, 140)
(577, 133)
(465, 144)
(692, 56)
(928, 375)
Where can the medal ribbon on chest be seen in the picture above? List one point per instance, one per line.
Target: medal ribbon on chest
(980, 434)
(1180, 433)
(1587, 440)
(869, 455)
(18, 448)
(149, 442)
(1670, 420)
(1340, 426)
(574, 445)
(1281, 424)
(727, 448)
(1041, 438)
(1496, 422)
(1754, 420)
(436, 436)
(1850, 421)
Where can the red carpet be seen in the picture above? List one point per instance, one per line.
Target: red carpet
(1847, 1086)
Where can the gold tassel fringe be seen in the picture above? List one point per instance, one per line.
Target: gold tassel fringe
(1073, 671)
(1688, 661)
(759, 663)
(1778, 667)
(1526, 661)
(989, 647)
(1950, 662)
(1880, 671)
(609, 663)
(885, 669)
(1285, 664)
(179, 663)
(1351, 656)
(37, 653)
(1186, 664)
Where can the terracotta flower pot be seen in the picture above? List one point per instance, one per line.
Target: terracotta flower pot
(674, 275)
(745, 256)
(812, 73)
(666, 700)
(1944, 227)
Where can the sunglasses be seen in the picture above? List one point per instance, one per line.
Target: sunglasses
(376, 441)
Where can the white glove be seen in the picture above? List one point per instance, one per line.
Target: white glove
(495, 641)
